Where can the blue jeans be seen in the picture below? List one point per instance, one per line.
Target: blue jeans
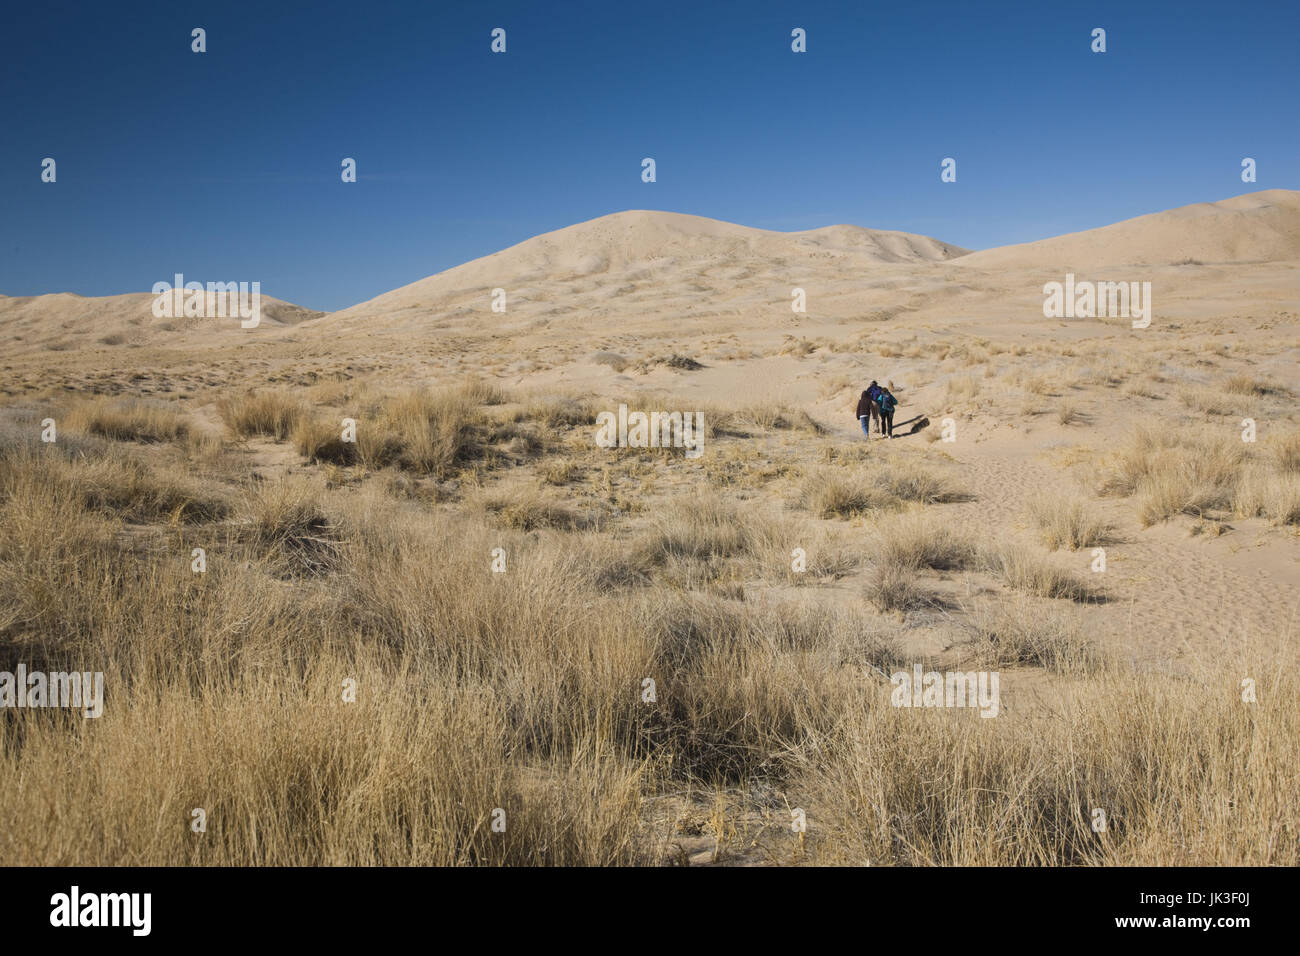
(866, 425)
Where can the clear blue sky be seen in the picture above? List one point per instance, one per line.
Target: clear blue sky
(225, 165)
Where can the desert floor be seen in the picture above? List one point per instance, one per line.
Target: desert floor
(332, 564)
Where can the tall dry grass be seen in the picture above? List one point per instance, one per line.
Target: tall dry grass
(525, 691)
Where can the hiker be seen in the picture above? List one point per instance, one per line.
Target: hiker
(887, 404)
(868, 409)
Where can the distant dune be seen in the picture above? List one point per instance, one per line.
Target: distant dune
(63, 320)
(640, 269)
(677, 253)
(1256, 227)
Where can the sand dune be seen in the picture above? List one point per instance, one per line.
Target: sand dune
(64, 320)
(1256, 227)
(679, 258)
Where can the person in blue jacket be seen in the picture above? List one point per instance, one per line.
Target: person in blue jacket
(887, 404)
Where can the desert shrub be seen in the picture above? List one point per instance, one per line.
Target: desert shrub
(270, 413)
(129, 419)
(1023, 569)
(1070, 523)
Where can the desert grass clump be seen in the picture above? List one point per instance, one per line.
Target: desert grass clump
(1023, 569)
(1275, 496)
(559, 411)
(129, 419)
(1023, 631)
(321, 441)
(560, 472)
(909, 480)
(892, 587)
(917, 540)
(529, 511)
(133, 490)
(1193, 479)
(1208, 400)
(843, 493)
(740, 421)
(1068, 413)
(273, 413)
(480, 391)
(423, 431)
(1285, 451)
(1070, 523)
(699, 527)
(1253, 387)
(287, 525)
(1175, 472)
(960, 389)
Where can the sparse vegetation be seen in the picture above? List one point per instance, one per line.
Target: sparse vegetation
(769, 587)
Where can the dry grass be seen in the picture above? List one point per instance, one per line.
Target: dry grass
(273, 413)
(1023, 569)
(129, 419)
(1176, 472)
(1022, 631)
(917, 540)
(522, 691)
(844, 491)
(892, 587)
(1072, 523)
(1267, 495)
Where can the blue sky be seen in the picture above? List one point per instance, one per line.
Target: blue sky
(225, 165)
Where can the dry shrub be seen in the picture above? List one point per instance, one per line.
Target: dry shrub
(287, 526)
(273, 413)
(129, 419)
(892, 587)
(1071, 523)
(1025, 570)
(1022, 631)
(918, 540)
(527, 511)
(1272, 496)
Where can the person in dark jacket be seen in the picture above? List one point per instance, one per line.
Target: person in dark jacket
(869, 407)
(887, 404)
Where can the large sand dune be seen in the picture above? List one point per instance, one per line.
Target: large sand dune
(1256, 227)
(658, 261)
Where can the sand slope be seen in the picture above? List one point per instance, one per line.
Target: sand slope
(677, 260)
(1256, 227)
(64, 320)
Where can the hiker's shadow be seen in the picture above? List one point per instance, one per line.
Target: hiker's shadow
(917, 423)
